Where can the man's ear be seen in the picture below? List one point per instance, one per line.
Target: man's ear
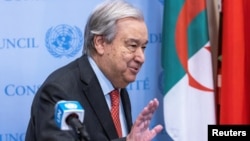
(99, 44)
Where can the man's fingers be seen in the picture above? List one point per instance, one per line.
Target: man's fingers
(157, 129)
(147, 113)
(150, 108)
(153, 104)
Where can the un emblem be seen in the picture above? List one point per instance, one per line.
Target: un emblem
(64, 40)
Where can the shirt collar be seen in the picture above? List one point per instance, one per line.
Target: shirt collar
(106, 85)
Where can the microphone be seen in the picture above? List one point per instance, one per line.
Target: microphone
(69, 116)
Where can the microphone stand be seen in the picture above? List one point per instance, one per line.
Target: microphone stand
(79, 129)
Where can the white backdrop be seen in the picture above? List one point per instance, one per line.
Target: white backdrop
(29, 53)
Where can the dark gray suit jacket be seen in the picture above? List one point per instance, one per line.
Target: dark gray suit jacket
(75, 81)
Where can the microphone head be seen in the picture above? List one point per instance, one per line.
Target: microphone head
(64, 109)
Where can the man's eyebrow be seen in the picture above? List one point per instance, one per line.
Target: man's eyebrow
(131, 40)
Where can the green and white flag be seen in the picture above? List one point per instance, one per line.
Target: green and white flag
(189, 104)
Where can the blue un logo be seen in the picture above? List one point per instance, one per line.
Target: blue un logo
(64, 40)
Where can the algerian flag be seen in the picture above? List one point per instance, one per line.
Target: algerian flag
(189, 105)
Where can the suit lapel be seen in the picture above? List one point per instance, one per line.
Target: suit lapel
(96, 98)
(127, 108)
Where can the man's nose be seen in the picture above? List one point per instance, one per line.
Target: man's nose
(139, 55)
